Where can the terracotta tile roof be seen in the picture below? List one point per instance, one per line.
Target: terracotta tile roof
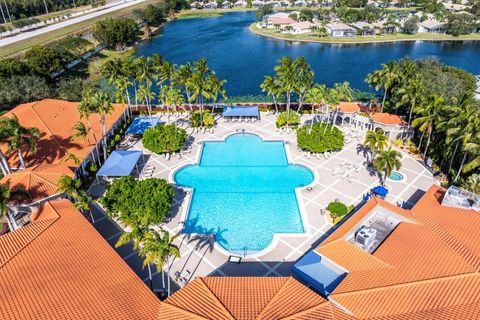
(55, 120)
(424, 269)
(39, 182)
(61, 268)
(387, 118)
(245, 298)
(280, 21)
(348, 107)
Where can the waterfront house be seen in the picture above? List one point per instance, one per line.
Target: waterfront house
(340, 30)
(240, 4)
(210, 5)
(301, 27)
(196, 5)
(454, 7)
(258, 3)
(300, 3)
(364, 28)
(394, 126)
(432, 26)
(227, 5)
(384, 28)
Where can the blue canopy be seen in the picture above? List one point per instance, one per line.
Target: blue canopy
(119, 164)
(380, 190)
(239, 111)
(318, 272)
(140, 124)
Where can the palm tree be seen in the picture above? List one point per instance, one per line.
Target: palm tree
(199, 85)
(83, 202)
(22, 137)
(171, 97)
(269, 85)
(146, 95)
(410, 95)
(4, 197)
(69, 186)
(112, 70)
(80, 131)
(85, 108)
(122, 95)
(304, 79)
(286, 78)
(344, 91)
(430, 114)
(136, 235)
(375, 140)
(316, 96)
(387, 161)
(384, 77)
(216, 87)
(5, 135)
(157, 249)
(183, 74)
(144, 70)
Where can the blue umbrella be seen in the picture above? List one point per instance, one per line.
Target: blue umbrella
(380, 190)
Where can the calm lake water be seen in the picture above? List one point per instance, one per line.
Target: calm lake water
(244, 58)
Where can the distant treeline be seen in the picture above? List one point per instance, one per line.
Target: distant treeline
(20, 9)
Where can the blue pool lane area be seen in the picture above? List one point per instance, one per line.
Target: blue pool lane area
(244, 192)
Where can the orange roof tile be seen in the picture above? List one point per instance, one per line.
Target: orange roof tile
(55, 120)
(387, 118)
(348, 107)
(39, 182)
(425, 268)
(44, 274)
(245, 298)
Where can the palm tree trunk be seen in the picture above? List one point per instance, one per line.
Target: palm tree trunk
(428, 143)
(150, 276)
(453, 156)
(163, 278)
(421, 139)
(104, 138)
(410, 113)
(168, 280)
(275, 103)
(461, 166)
(20, 158)
(313, 118)
(384, 97)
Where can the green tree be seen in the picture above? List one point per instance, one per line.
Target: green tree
(270, 86)
(387, 161)
(164, 139)
(375, 140)
(70, 186)
(411, 95)
(115, 32)
(286, 78)
(44, 60)
(21, 138)
(383, 78)
(4, 198)
(21, 89)
(429, 114)
(182, 77)
(142, 202)
(304, 80)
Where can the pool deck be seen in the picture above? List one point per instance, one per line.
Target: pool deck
(201, 256)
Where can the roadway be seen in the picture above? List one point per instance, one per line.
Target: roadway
(30, 34)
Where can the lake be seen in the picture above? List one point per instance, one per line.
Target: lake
(243, 58)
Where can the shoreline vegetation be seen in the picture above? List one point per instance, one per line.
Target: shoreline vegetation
(399, 37)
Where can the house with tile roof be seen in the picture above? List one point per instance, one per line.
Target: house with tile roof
(60, 267)
(383, 262)
(38, 182)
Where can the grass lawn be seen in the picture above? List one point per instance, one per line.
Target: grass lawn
(312, 37)
(20, 46)
(191, 14)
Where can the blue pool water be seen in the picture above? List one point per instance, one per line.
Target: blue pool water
(396, 176)
(244, 192)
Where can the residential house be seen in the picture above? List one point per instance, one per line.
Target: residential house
(384, 27)
(210, 5)
(455, 7)
(258, 3)
(227, 5)
(196, 5)
(364, 28)
(393, 125)
(340, 30)
(432, 26)
(60, 267)
(300, 3)
(300, 27)
(383, 262)
(240, 4)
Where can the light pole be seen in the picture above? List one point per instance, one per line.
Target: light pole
(8, 11)
(46, 8)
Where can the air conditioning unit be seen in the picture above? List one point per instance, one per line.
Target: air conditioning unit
(365, 237)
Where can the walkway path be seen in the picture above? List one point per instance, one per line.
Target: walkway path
(66, 23)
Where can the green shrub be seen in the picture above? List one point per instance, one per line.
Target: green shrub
(291, 118)
(322, 138)
(337, 209)
(141, 201)
(164, 139)
(207, 117)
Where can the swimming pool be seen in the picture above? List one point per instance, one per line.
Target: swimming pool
(244, 192)
(396, 176)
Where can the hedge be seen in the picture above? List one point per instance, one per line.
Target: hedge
(322, 138)
(291, 118)
(338, 209)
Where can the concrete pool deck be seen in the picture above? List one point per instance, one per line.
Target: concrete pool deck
(201, 256)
